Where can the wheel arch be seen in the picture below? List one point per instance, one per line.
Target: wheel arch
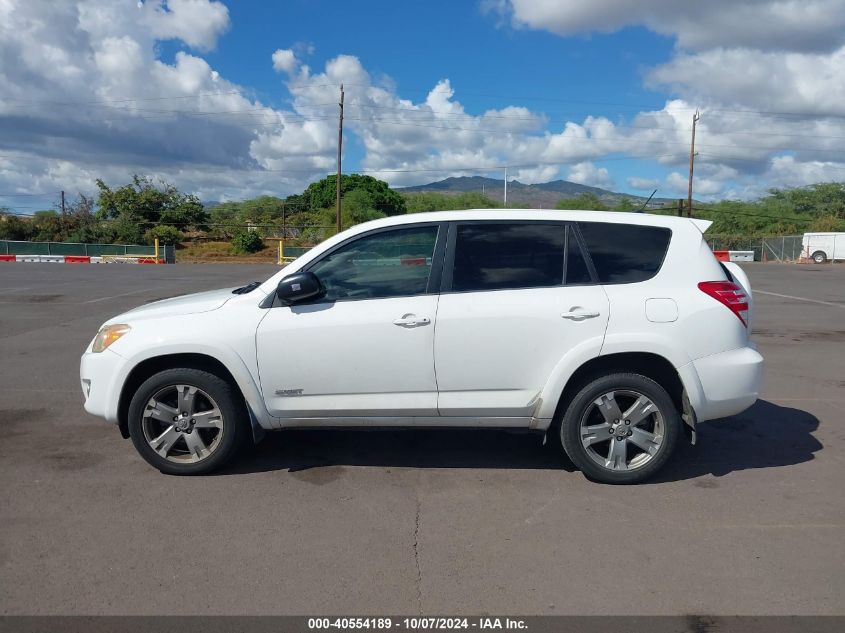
(648, 364)
(155, 364)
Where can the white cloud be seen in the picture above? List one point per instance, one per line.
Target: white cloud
(198, 23)
(745, 53)
(84, 94)
(643, 184)
(806, 25)
(785, 171)
(588, 174)
(531, 175)
(767, 75)
(796, 82)
(702, 187)
(284, 60)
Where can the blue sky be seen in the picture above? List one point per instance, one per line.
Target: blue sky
(230, 99)
(489, 64)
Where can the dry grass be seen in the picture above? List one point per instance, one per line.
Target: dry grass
(222, 253)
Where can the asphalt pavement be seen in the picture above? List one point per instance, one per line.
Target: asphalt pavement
(750, 521)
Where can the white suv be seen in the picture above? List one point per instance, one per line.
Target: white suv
(609, 332)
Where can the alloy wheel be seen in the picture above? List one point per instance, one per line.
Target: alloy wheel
(183, 424)
(622, 430)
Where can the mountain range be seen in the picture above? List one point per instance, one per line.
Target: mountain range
(539, 195)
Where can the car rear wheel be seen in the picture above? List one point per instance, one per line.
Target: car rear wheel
(620, 428)
(185, 421)
(819, 257)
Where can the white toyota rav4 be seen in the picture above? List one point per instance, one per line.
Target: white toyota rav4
(610, 332)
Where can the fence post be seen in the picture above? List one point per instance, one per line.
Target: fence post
(48, 249)
(85, 249)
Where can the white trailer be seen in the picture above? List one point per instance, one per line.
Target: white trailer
(823, 247)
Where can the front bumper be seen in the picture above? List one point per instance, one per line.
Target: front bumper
(101, 376)
(724, 384)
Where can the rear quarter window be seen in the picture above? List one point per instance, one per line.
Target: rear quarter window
(625, 253)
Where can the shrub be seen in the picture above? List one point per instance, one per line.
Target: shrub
(168, 235)
(247, 242)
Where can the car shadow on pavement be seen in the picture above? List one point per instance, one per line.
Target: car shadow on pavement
(301, 449)
(765, 436)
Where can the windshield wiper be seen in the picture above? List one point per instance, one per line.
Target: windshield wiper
(247, 288)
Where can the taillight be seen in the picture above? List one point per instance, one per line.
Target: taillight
(729, 294)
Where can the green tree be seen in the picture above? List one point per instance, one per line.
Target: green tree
(80, 223)
(625, 204)
(435, 201)
(357, 206)
(587, 201)
(142, 203)
(820, 199)
(46, 226)
(827, 223)
(247, 242)
(13, 227)
(167, 235)
(322, 194)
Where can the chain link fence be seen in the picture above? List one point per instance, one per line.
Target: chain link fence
(786, 248)
(781, 248)
(15, 247)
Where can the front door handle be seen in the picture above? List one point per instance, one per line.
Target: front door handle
(577, 313)
(411, 320)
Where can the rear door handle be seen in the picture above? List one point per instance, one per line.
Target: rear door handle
(577, 313)
(411, 320)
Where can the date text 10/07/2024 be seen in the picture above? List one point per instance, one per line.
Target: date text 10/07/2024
(417, 623)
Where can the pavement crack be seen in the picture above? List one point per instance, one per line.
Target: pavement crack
(417, 558)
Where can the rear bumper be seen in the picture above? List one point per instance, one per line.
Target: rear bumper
(725, 384)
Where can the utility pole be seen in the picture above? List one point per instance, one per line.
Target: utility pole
(695, 118)
(506, 187)
(339, 148)
(63, 209)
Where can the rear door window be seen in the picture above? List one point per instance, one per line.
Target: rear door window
(625, 253)
(493, 256)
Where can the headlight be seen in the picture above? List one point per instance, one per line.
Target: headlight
(108, 335)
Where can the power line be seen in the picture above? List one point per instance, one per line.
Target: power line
(294, 117)
(755, 215)
(294, 87)
(717, 157)
(705, 210)
(28, 195)
(75, 103)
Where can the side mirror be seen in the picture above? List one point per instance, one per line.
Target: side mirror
(299, 287)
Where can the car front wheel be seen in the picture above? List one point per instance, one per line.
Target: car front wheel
(185, 421)
(620, 428)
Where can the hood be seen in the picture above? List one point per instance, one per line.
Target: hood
(187, 304)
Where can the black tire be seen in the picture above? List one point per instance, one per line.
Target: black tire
(819, 257)
(582, 408)
(217, 392)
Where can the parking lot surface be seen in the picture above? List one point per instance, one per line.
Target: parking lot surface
(750, 521)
